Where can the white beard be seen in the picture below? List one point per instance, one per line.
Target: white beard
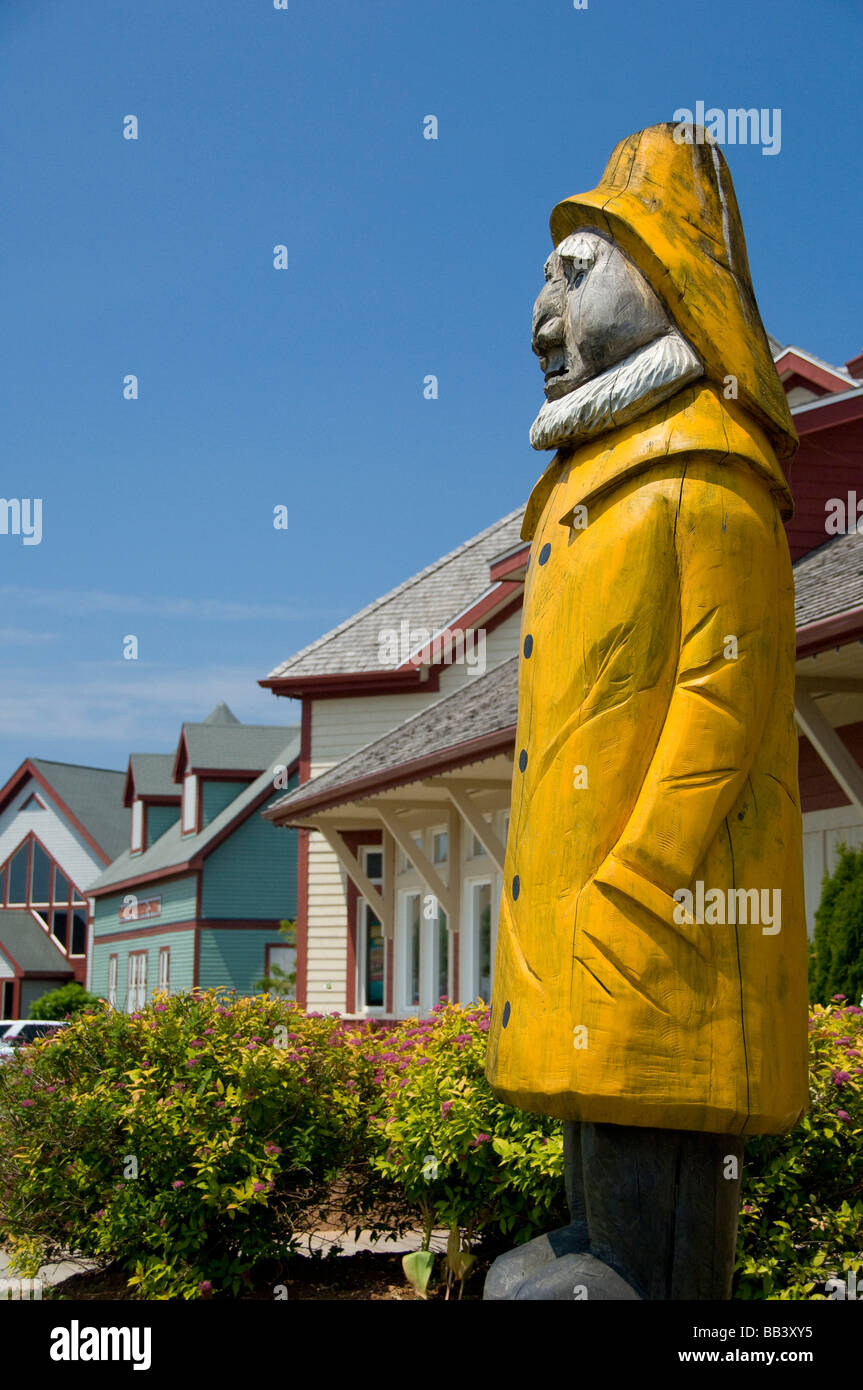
(619, 394)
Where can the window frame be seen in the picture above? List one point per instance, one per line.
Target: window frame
(363, 907)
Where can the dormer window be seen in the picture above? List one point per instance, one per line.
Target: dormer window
(137, 826)
(190, 804)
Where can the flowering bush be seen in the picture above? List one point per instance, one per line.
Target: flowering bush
(460, 1156)
(802, 1217)
(190, 1140)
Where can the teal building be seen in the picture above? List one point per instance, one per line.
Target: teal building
(198, 895)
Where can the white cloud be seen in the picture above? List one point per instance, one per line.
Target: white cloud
(23, 637)
(88, 601)
(134, 706)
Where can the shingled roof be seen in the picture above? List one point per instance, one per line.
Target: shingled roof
(484, 708)
(174, 850)
(94, 795)
(829, 580)
(29, 945)
(430, 599)
(153, 774)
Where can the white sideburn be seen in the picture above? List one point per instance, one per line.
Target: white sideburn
(618, 395)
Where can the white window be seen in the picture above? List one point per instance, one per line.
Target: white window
(413, 949)
(137, 825)
(284, 958)
(112, 981)
(440, 850)
(165, 969)
(190, 803)
(424, 940)
(371, 945)
(483, 933)
(136, 994)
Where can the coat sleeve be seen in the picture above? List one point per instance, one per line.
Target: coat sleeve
(726, 547)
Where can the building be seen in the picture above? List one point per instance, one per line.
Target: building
(198, 893)
(60, 825)
(408, 739)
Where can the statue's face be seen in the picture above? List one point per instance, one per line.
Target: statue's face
(595, 309)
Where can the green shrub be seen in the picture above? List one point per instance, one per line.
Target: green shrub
(461, 1157)
(836, 955)
(802, 1214)
(68, 999)
(246, 1119)
(190, 1141)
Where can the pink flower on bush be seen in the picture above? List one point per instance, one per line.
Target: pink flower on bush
(205, 1288)
(840, 1077)
(178, 1184)
(272, 1149)
(480, 1139)
(839, 998)
(28, 1102)
(851, 1010)
(159, 1008)
(446, 1107)
(853, 1052)
(260, 1187)
(842, 1115)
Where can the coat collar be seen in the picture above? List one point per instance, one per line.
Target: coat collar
(697, 419)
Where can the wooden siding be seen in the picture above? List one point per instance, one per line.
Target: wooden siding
(160, 819)
(819, 790)
(182, 945)
(235, 958)
(178, 905)
(215, 796)
(253, 873)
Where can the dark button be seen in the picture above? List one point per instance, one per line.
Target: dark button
(522, 760)
(528, 645)
(516, 885)
(544, 553)
(506, 1013)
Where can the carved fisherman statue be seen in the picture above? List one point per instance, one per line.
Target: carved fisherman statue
(656, 753)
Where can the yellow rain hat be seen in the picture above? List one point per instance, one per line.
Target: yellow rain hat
(667, 199)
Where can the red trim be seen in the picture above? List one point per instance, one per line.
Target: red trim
(195, 861)
(811, 372)
(505, 605)
(854, 366)
(136, 932)
(472, 750)
(179, 769)
(838, 631)
(28, 769)
(306, 742)
(812, 417)
(302, 916)
(196, 962)
(355, 839)
(328, 687)
(510, 564)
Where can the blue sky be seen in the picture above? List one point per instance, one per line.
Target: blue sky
(304, 387)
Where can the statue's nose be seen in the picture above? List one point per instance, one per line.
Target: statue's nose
(548, 321)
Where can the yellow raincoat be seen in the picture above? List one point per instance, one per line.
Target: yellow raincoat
(656, 743)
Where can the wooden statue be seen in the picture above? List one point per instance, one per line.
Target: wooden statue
(650, 978)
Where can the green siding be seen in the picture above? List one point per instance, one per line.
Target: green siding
(235, 958)
(215, 796)
(178, 905)
(253, 873)
(160, 819)
(182, 944)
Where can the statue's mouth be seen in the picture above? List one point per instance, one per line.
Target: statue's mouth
(556, 381)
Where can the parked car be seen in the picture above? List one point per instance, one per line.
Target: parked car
(17, 1032)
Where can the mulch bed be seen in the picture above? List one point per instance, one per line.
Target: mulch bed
(366, 1276)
